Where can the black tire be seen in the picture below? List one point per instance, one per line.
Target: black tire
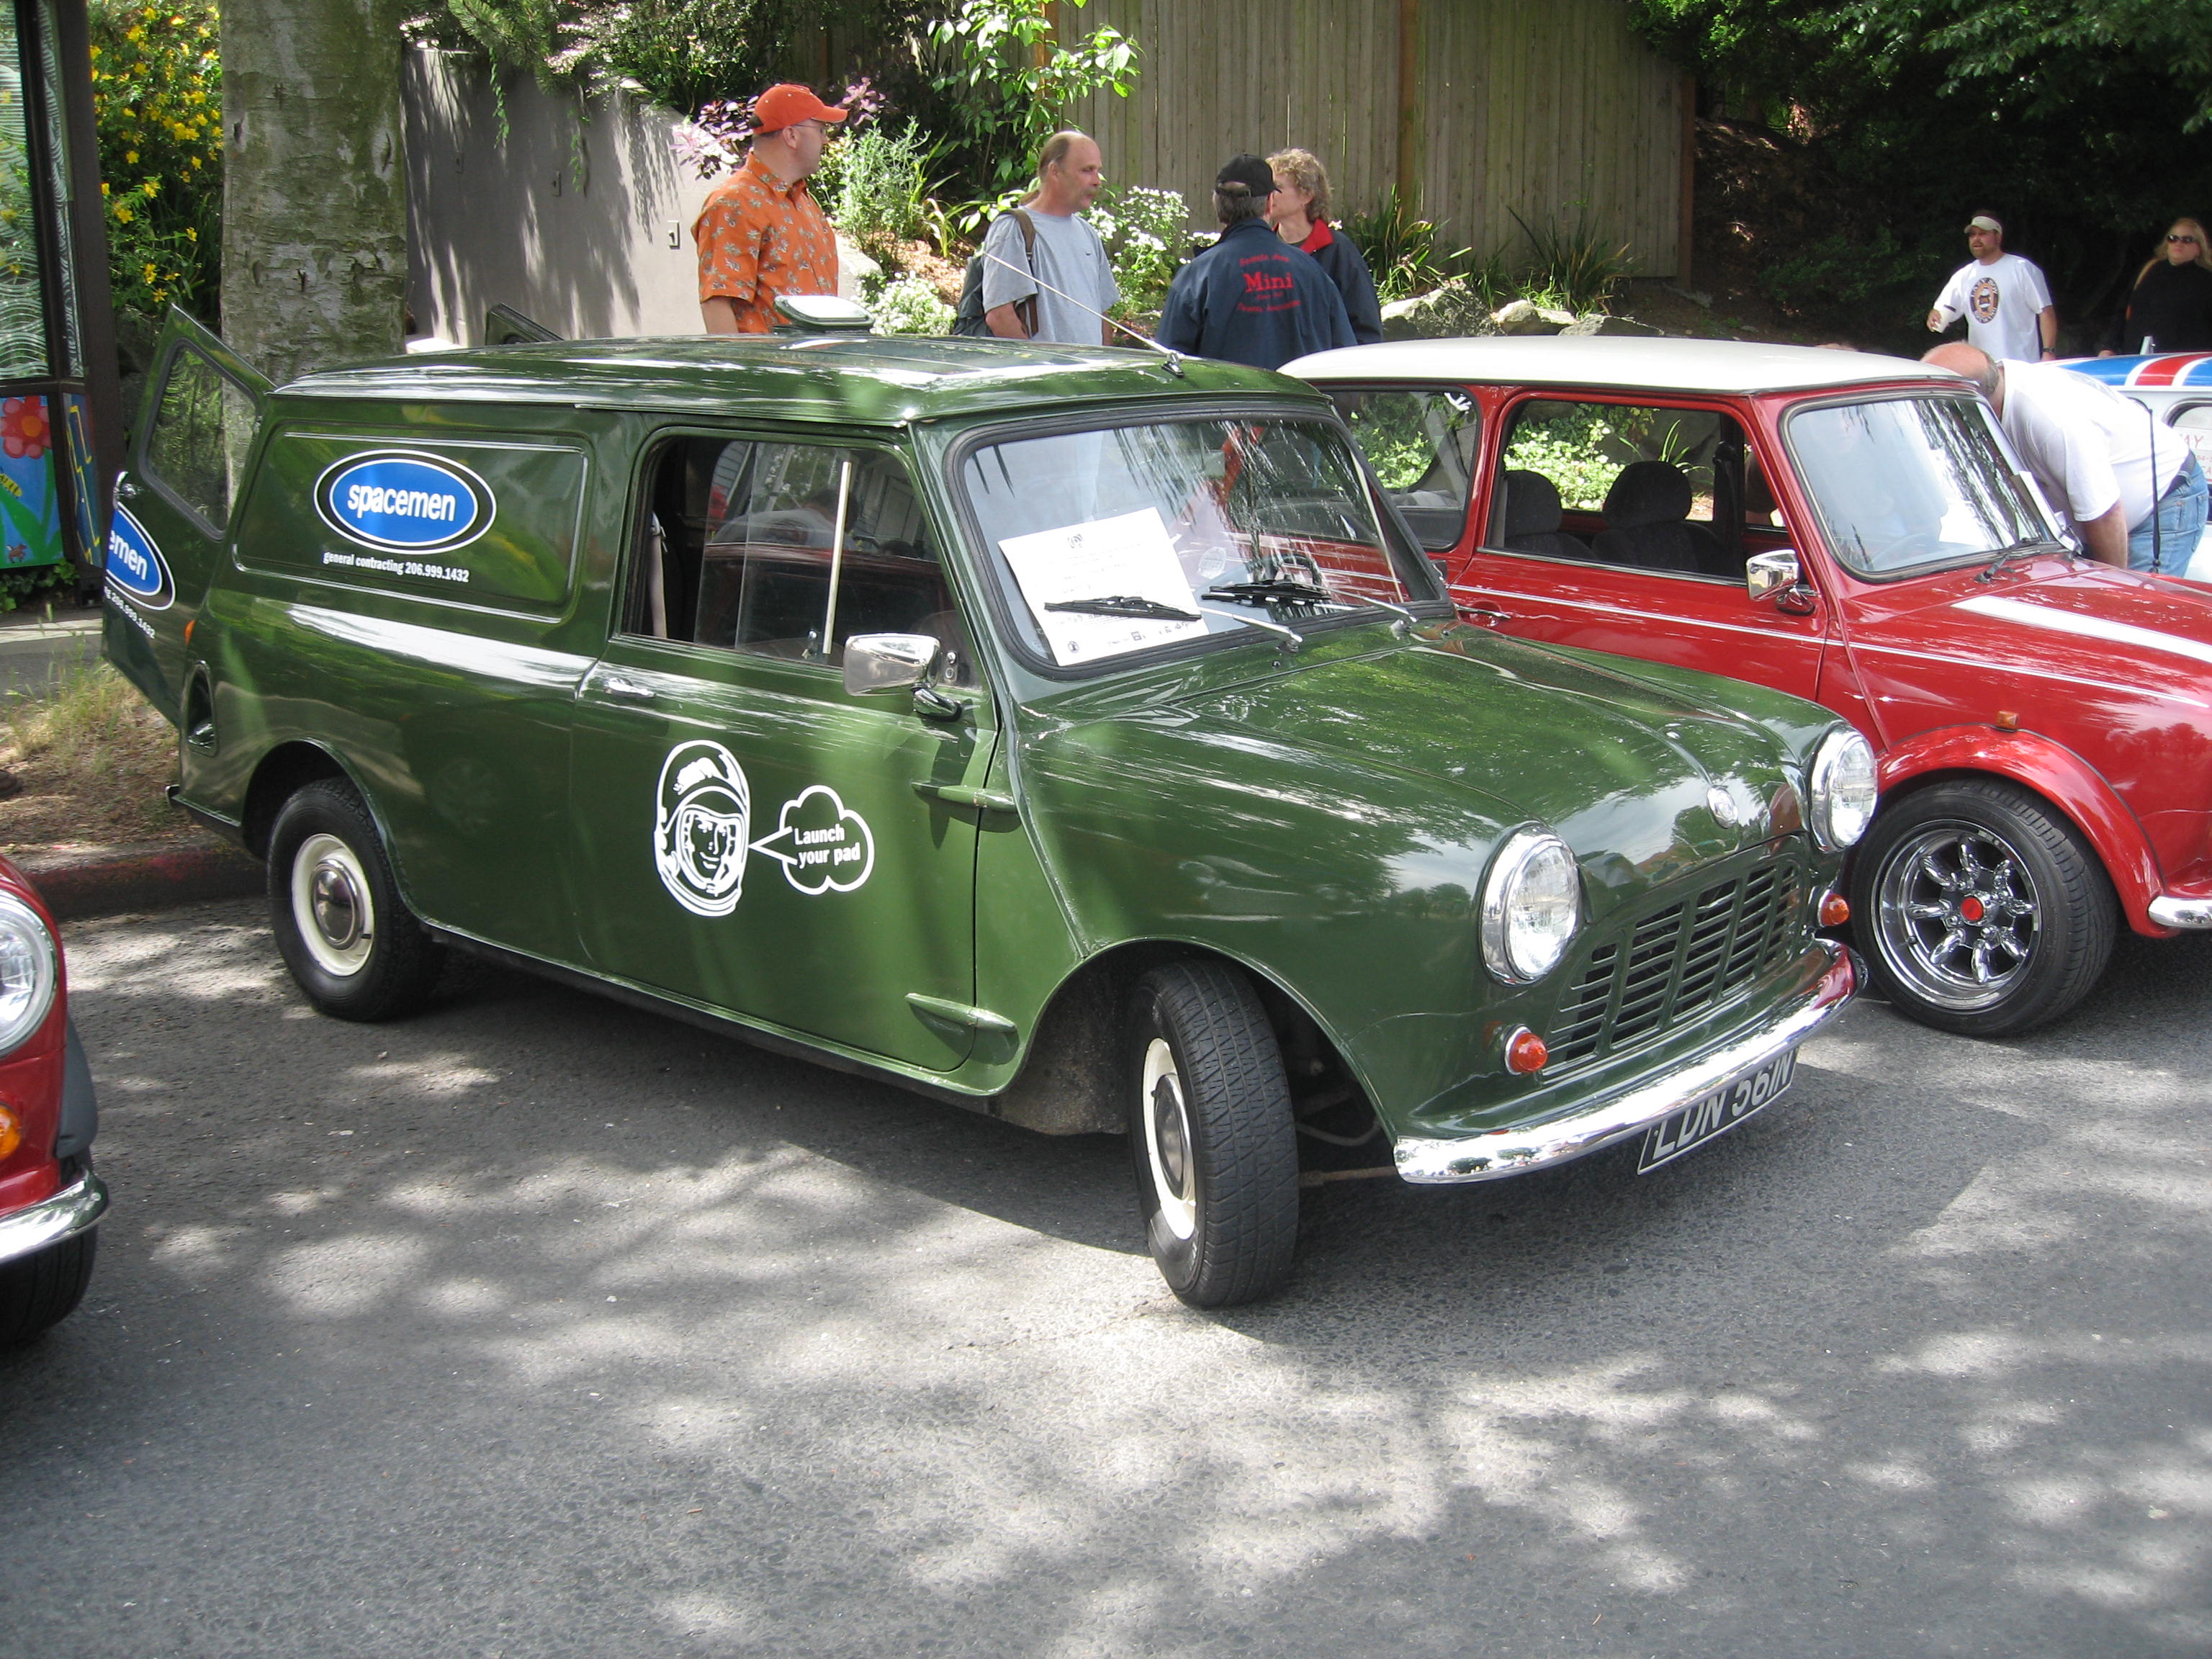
(1980, 909)
(348, 937)
(40, 1291)
(1210, 1128)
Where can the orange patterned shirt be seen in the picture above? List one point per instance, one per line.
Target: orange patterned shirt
(758, 237)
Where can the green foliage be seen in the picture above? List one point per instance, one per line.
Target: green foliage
(1876, 273)
(1576, 268)
(1575, 448)
(1400, 250)
(2082, 123)
(873, 184)
(1146, 233)
(1006, 78)
(907, 305)
(682, 53)
(24, 583)
(157, 107)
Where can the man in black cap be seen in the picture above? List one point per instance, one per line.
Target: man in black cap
(1251, 298)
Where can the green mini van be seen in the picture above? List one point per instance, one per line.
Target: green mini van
(1074, 735)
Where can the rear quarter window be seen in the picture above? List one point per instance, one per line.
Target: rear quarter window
(484, 523)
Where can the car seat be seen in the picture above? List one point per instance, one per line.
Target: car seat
(1645, 523)
(1532, 518)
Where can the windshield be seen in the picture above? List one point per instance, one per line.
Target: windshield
(1903, 483)
(1110, 542)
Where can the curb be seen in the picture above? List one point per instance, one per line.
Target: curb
(108, 885)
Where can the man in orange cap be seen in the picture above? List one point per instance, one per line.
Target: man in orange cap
(761, 233)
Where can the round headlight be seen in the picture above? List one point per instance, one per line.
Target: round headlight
(27, 972)
(1843, 790)
(1531, 905)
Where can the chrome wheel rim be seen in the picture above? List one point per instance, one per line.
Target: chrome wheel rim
(332, 907)
(1957, 916)
(1168, 1140)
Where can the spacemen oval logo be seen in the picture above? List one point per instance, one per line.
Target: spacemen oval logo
(403, 502)
(702, 815)
(135, 566)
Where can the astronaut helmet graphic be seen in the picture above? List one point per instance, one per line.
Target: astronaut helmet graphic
(702, 816)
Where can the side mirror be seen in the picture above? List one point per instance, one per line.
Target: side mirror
(1768, 573)
(888, 662)
(1779, 574)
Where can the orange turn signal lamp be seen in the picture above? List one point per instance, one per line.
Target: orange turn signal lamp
(1835, 909)
(11, 1132)
(1525, 1052)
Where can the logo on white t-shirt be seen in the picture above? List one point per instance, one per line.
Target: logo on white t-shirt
(1981, 299)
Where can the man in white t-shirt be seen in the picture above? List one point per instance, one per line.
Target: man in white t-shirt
(2128, 481)
(1068, 255)
(2004, 298)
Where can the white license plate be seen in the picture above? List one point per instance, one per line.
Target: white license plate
(1715, 1113)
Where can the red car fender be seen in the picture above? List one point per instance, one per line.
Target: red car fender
(2061, 777)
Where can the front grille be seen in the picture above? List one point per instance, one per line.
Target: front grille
(1675, 963)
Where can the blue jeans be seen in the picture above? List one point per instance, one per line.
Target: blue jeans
(2179, 519)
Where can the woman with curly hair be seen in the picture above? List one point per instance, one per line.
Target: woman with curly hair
(1299, 212)
(2170, 306)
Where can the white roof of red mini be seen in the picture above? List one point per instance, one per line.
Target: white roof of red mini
(1621, 363)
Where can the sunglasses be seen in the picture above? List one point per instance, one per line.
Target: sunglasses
(2173, 236)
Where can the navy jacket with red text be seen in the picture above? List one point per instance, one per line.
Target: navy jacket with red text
(1252, 298)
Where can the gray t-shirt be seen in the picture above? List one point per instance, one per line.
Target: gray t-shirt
(1069, 257)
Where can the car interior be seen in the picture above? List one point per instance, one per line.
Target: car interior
(739, 544)
(1673, 492)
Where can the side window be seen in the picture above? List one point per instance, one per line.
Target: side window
(741, 550)
(2195, 424)
(197, 441)
(1421, 444)
(1648, 488)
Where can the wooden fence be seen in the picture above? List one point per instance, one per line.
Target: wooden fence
(1552, 109)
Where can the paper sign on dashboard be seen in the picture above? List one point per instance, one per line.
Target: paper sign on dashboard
(1126, 556)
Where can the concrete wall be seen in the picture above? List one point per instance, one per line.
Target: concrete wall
(579, 217)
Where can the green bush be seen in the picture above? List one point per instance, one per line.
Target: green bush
(1849, 274)
(157, 107)
(1006, 75)
(27, 582)
(1146, 233)
(873, 185)
(907, 305)
(1576, 268)
(1400, 250)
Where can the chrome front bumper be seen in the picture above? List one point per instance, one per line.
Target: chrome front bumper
(2184, 915)
(1500, 1152)
(73, 1210)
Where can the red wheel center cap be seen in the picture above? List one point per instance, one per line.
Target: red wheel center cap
(1970, 907)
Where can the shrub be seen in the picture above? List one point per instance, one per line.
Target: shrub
(1146, 233)
(873, 186)
(1576, 269)
(157, 106)
(1006, 75)
(1849, 274)
(1400, 250)
(907, 305)
(27, 582)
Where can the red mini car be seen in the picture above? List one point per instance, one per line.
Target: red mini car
(50, 1200)
(1854, 529)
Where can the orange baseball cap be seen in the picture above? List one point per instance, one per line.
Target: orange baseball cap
(787, 105)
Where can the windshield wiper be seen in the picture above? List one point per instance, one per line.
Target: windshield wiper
(1280, 588)
(2020, 549)
(1125, 604)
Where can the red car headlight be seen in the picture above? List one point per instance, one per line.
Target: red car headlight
(29, 972)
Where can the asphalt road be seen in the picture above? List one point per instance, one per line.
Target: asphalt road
(536, 1326)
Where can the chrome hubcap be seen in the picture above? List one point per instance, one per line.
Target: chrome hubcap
(1167, 1140)
(1957, 916)
(332, 907)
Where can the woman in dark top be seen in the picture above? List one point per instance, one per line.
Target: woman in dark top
(2171, 308)
(1299, 212)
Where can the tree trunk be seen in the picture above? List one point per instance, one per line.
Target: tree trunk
(314, 200)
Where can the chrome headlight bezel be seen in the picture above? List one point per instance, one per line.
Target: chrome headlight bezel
(1527, 855)
(1841, 806)
(30, 973)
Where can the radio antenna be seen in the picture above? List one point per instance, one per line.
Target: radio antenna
(1173, 357)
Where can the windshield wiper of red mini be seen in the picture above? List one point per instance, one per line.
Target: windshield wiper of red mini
(2023, 549)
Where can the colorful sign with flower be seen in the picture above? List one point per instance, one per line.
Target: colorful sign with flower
(30, 511)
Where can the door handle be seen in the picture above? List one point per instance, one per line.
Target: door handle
(628, 690)
(1484, 615)
(125, 490)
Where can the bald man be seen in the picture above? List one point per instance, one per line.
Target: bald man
(2128, 481)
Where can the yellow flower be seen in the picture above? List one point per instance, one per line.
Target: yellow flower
(131, 156)
(103, 187)
(192, 235)
(150, 273)
(123, 215)
(149, 187)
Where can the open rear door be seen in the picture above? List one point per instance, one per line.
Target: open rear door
(173, 505)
